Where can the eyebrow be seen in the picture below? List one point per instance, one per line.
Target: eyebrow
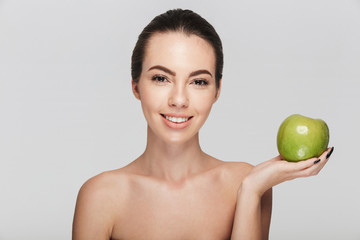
(192, 74)
(198, 72)
(164, 69)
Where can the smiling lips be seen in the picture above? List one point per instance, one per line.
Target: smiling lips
(176, 122)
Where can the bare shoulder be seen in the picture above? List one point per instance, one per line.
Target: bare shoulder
(238, 169)
(235, 172)
(98, 199)
(114, 185)
(103, 184)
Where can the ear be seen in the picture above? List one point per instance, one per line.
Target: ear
(218, 91)
(135, 89)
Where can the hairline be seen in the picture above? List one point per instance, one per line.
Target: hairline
(187, 33)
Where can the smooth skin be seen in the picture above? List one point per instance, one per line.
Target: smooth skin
(174, 190)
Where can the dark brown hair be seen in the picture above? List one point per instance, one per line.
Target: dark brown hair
(178, 20)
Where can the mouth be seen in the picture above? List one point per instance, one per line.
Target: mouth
(177, 120)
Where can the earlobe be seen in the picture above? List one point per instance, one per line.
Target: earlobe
(135, 89)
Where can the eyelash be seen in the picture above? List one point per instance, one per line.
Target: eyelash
(197, 82)
(159, 78)
(201, 82)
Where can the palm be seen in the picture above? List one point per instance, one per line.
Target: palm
(270, 173)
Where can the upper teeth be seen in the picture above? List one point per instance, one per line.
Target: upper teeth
(177, 120)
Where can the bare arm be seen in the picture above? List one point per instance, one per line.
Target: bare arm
(91, 218)
(253, 209)
(253, 215)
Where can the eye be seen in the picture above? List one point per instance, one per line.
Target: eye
(159, 78)
(200, 82)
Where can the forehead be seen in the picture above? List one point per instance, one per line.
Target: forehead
(180, 50)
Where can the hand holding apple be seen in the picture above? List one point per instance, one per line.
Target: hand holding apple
(275, 171)
(302, 141)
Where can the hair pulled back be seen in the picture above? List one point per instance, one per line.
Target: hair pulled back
(178, 20)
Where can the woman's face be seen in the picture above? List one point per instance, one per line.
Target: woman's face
(177, 85)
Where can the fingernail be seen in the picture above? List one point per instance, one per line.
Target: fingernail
(316, 161)
(329, 154)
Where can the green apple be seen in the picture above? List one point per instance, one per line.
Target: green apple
(301, 138)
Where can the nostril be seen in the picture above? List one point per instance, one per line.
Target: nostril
(178, 98)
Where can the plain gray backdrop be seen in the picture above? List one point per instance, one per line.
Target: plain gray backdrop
(67, 111)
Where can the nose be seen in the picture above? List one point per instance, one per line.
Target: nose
(179, 97)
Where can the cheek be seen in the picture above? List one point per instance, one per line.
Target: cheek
(203, 103)
(152, 100)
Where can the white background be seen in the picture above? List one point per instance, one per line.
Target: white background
(67, 111)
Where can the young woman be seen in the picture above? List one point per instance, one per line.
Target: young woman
(174, 190)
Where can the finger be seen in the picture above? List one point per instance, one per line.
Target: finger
(325, 156)
(310, 167)
(305, 168)
(299, 166)
(315, 168)
(329, 152)
(322, 160)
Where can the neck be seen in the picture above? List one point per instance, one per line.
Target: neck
(173, 161)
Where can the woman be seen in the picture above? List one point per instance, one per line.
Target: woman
(174, 190)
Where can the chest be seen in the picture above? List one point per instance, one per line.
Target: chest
(205, 212)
